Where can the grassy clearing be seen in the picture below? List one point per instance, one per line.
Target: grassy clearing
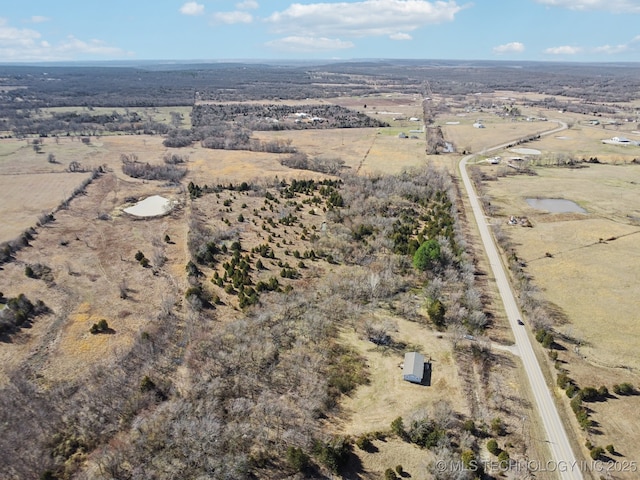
(497, 130)
(90, 259)
(373, 407)
(26, 197)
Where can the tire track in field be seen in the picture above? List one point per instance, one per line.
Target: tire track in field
(367, 152)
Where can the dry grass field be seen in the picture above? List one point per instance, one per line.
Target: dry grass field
(585, 141)
(90, 260)
(592, 273)
(586, 266)
(593, 282)
(374, 406)
(26, 197)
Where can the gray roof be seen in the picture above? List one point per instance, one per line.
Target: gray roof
(413, 368)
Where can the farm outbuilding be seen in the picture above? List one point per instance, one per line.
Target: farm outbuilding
(413, 369)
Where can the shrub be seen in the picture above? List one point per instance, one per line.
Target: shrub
(139, 255)
(624, 389)
(18, 311)
(576, 403)
(399, 469)
(583, 419)
(297, 459)
(503, 458)
(589, 394)
(497, 427)
(146, 384)
(468, 458)
(425, 433)
(596, 453)
(492, 447)
(469, 426)
(193, 270)
(427, 255)
(363, 442)
(571, 391)
(397, 427)
(28, 271)
(610, 449)
(101, 327)
(389, 474)
(563, 380)
(333, 454)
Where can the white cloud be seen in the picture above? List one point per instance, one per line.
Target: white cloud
(92, 47)
(247, 5)
(512, 47)
(615, 6)
(232, 17)
(11, 36)
(192, 8)
(631, 45)
(611, 49)
(302, 44)
(361, 18)
(400, 36)
(563, 50)
(39, 19)
(22, 44)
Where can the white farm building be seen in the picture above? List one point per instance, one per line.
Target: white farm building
(413, 368)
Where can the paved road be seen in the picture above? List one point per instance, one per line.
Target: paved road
(556, 436)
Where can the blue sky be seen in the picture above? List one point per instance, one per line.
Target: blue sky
(553, 30)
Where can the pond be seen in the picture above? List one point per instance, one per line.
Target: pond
(555, 205)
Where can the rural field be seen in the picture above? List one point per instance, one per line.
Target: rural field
(271, 307)
(585, 265)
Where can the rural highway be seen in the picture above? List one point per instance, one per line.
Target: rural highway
(556, 436)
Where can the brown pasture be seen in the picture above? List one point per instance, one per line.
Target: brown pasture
(90, 259)
(586, 266)
(591, 270)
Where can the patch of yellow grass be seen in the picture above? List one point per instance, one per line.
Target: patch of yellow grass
(77, 349)
(26, 197)
(393, 452)
(374, 406)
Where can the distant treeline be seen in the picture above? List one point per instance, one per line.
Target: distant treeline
(281, 117)
(26, 89)
(230, 126)
(26, 122)
(170, 85)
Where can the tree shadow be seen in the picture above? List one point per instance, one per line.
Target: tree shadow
(353, 469)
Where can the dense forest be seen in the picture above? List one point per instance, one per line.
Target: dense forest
(30, 87)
